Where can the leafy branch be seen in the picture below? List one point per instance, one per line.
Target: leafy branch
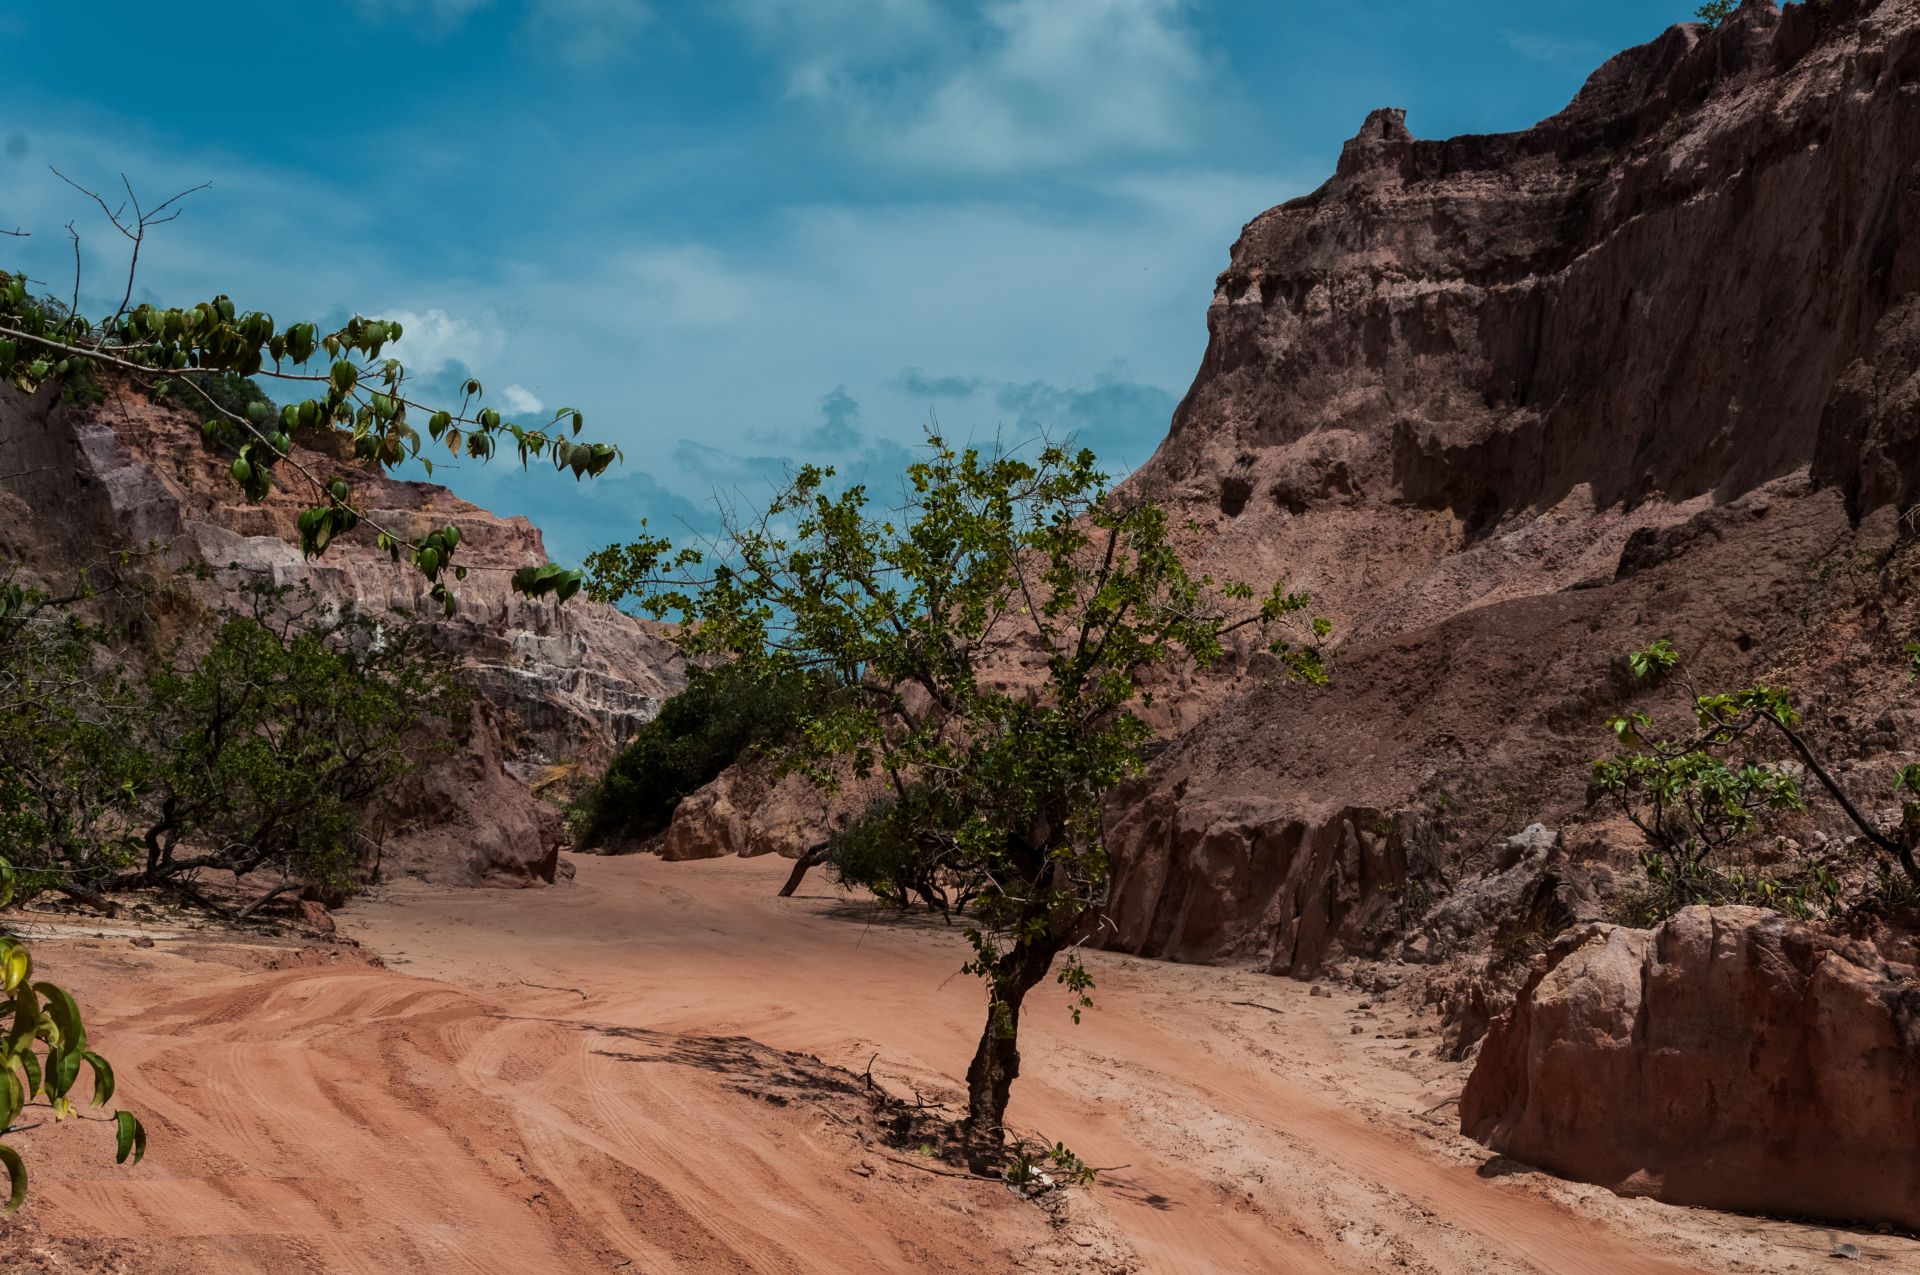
(41, 1056)
(1694, 794)
(345, 383)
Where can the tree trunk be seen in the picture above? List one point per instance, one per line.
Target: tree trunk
(997, 1060)
(800, 866)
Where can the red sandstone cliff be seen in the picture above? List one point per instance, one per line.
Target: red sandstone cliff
(557, 683)
(1509, 405)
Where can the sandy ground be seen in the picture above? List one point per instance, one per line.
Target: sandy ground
(658, 1068)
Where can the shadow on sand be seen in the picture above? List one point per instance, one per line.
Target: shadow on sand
(747, 1066)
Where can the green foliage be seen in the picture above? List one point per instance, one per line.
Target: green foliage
(260, 745)
(231, 395)
(1696, 797)
(266, 749)
(42, 1054)
(1037, 1170)
(1653, 663)
(1800, 885)
(1714, 12)
(723, 713)
(68, 765)
(887, 853)
(919, 617)
(208, 356)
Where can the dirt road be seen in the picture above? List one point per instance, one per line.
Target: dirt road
(658, 1067)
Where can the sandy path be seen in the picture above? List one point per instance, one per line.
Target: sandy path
(667, 1114)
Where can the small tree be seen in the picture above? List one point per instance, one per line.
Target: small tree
(268, 748)
(1694, 794)
(1714, 12)
(920, 619)
(262, 745)
(887, 852)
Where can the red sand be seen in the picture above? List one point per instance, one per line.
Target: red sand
(444, 1115)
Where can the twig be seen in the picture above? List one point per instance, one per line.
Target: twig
(927, 1168)
(1257, 1005)
(548, 987)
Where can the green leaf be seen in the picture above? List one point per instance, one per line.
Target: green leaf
(102, 1078)
(63, 1068)
(16, 1176)
(13, 1096)
(129, 1137)
(16, 963)
(65, 1015)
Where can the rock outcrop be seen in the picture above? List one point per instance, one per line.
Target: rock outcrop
(557, 684)
(1510, 405)
(751, 810)
(1731, 1058)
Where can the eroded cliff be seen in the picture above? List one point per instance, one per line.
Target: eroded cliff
(1509, 405)
(557, 684)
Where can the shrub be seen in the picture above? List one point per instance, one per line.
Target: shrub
(267, 749)
(723, 713)
(887, 852)
(262, 745)
(1699, 796)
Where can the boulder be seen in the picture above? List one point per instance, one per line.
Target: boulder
(1732, 1058)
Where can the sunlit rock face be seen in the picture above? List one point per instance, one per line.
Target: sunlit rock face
(1731, 1059)
(1508, 406)
(557, 684)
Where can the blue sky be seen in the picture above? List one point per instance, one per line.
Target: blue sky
(740, 232)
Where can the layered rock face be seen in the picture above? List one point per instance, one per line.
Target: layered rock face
(1509, 406)
(1730, 1059)
(558, 684)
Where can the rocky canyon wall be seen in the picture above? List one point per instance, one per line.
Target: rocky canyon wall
(557, 683)
(1507, 406)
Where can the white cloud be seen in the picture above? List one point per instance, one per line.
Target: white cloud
(686, 285)
(1030, 84)
(432, 341)
(660, 335)
(520, 400)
